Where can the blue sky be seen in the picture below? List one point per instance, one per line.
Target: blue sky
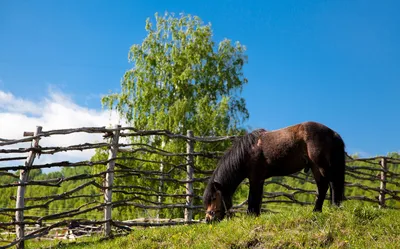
(335, 62)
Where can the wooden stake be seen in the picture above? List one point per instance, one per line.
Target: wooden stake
(108, 181)
(383, 183)
(160, 189)
(20, 201)
(189, 178)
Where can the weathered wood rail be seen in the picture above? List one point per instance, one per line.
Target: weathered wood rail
(163, 181)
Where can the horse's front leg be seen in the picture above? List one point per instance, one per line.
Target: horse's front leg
(255, 197)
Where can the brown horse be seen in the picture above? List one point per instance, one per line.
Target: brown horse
(260, 154)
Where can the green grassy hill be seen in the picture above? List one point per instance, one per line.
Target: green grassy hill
(353, 226)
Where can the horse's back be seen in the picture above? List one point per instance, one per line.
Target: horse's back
(301, 139)
(309, 131)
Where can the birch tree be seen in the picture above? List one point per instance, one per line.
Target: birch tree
(181, 80)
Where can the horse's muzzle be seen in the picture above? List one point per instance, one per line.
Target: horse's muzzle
(212, 219)
(213, 216)
(210, 216)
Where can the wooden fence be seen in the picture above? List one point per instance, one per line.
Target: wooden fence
(173, 182)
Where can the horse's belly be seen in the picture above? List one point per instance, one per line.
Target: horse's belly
(288, 166)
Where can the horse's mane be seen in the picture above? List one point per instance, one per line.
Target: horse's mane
(229, 169)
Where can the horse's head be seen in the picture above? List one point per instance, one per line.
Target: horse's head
(215, 202)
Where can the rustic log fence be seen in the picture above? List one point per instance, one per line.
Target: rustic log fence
(165, 181)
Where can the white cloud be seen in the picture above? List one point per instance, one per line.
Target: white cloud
(9, 103)
(55, 111)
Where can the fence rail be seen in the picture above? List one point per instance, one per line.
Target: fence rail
(164, 181)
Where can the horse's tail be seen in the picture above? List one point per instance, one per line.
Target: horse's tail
(338, 165)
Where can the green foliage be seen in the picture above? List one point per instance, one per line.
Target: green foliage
(372, 179)
(180, 80)
(5, 194)
(8, 195)
(59, 206)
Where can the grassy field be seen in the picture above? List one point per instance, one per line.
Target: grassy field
(352, 226)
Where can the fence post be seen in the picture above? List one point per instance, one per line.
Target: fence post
(160, 190)
(108, 181)
(23, 178)
(383, 183)
(189, 177)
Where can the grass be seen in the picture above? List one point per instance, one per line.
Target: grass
(353, 226)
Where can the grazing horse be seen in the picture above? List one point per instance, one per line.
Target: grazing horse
(262, 154)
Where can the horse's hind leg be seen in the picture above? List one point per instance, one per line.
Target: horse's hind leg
(322, 188)
(321, 179)
(255, 197)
